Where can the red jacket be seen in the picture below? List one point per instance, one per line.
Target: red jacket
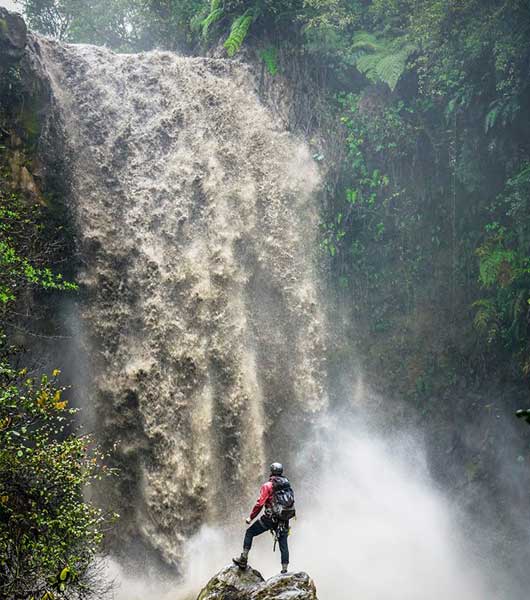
(265, 499)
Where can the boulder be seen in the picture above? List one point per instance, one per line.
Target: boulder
(233, 583)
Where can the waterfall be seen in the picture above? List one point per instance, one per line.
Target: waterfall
(196, 222)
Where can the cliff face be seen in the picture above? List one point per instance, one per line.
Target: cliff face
(13, 38)
(17, 90)
(30, 135)
(232, 583)
(32, 160)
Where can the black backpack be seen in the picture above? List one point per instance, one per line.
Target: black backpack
(282, 499)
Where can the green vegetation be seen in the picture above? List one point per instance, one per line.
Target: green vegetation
(433, 233)
(502, 317)
(49, 536)
(117, 23)
(21, 226)
(381, 59)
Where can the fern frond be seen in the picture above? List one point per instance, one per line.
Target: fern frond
(492, 261)
(213, 17)
(381, 59)
(486, 317)
(491, 119)
(365, 41)
(238, 33)
(270, 58)
(367, 65)
(392, 66)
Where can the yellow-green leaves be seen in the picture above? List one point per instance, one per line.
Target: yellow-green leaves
(45, 463)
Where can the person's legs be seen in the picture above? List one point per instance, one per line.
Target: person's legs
(257, 528)
(284, 548)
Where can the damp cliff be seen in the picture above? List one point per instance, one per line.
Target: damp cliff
(32, 183)
(24, 107)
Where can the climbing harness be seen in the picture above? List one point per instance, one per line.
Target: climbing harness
(277, 531)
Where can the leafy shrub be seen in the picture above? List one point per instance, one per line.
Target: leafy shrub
(49, 535)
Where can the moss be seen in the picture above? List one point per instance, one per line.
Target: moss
(30, 122)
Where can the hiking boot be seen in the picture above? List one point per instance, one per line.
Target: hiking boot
(284, 569)
(241, 562)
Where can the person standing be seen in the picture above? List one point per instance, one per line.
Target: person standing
(277, 499)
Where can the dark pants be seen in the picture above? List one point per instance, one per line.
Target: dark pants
(265, 524)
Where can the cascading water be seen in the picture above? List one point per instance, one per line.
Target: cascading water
(196, 222)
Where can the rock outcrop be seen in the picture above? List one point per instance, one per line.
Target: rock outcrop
(32, 159)
(232, 583)
(30, 134)
(13, 38)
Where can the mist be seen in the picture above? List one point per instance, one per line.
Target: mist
(10, 5)
(371, 524)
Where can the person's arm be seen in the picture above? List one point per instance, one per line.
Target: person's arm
(264, 495)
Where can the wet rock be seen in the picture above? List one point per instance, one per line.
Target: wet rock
(13, 37)
(291, 586)
(232, 583)
(22, 180)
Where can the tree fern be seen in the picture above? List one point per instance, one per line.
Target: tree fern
(238, 32)
(391, 67)
(367, 64)
(380, 59)
(493, 260)
(365, 42)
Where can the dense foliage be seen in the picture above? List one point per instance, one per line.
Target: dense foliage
(49, 536)
(425, 107)
(432, 216)
(117, 23)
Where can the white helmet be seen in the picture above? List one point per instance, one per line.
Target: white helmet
(276, 468)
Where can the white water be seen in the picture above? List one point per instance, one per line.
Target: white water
(371, 526)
